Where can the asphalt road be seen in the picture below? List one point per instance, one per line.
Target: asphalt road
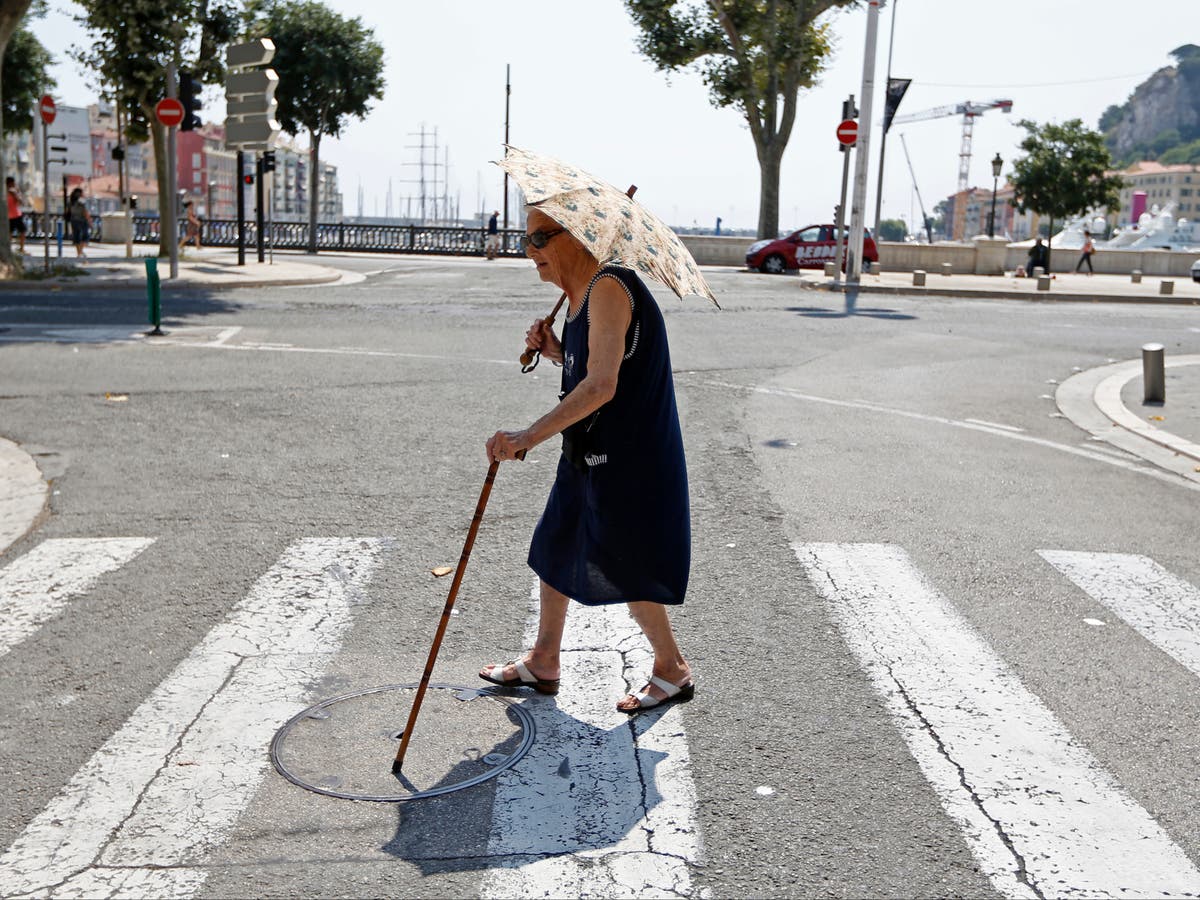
(901, 689)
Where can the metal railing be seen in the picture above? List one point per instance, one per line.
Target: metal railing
(346, 236)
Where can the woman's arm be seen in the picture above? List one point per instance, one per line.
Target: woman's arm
(609, 315)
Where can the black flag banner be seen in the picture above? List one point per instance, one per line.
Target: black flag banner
(895, 93)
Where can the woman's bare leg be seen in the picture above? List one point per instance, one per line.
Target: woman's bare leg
(544, 659)
(669, 663)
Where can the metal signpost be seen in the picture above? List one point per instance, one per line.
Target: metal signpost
(47, 110)
(847, 135)
(858, 204)
(250, 123)
(170, 113)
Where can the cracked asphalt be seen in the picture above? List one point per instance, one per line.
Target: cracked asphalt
(360, 410)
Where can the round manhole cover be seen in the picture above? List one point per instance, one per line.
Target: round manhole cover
(344, 747)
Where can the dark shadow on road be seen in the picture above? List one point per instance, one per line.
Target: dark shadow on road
(816, 312)
(453, 832)
(79, 314)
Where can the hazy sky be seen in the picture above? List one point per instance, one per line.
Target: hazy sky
(581, 91)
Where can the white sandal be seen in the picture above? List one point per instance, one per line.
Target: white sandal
(524, 678)
(676, 693)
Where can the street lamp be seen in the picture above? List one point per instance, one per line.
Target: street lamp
(997, 165)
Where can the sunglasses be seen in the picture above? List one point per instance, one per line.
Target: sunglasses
(539, 239)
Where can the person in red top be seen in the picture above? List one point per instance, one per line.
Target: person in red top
(16, 221)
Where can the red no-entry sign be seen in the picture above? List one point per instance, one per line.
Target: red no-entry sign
(847, 132)
(46, 109)
(169, 112)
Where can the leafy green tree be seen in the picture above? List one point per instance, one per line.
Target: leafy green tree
(1064, 172)
(330, 69)
(893, 230)
(26, 76)
(11, 14)
(754, 55)
(133, 43)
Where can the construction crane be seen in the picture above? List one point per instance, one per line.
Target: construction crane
(970, 111)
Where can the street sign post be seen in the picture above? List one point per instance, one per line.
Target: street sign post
(250, 119)
(847, 133)
(47, 110)
(169, 112)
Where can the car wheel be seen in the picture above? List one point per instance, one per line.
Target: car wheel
(774, 264)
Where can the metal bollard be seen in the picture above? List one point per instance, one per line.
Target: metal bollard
(154, 294)
(919, 277)
(1166, 287)
(1154, 380)
(1043, 283)
(947, 268)
(874, 268)
(1136, 276)
(1038, 271)
(830, 269)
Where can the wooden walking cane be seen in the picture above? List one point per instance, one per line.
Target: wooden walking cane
(528, 362)
(441, 631)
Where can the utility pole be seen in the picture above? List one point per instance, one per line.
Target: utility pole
(507, 95)
(862, 157)
(883, 133)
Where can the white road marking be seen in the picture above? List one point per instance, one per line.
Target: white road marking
(1162, 608)
(224, 335)
(602, 805)
(1168, 477)
(1036, 808)
(140, 817)
(333, 351)
(1012, 428)
(36, 587)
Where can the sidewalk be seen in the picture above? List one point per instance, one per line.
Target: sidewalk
(1064, 286)
(209, 268)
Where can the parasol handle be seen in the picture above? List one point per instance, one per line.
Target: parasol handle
(529, 359)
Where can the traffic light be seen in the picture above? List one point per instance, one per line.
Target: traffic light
(268, 160)
(118, 153)
(248, 178)
(189, 96)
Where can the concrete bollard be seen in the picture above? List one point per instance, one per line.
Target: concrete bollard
(1154, 380)
(1166, 287)
(874, 269)
(1038, 271)
(947, 269)
(830, 270)
(918, 277)
(1136, 276)
(1043, 283)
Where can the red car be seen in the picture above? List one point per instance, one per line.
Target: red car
(808, 248)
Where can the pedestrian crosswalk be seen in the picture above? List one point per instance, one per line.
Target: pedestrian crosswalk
(612, 802)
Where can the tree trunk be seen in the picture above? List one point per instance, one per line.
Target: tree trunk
(314, 164)
(158, 135)
(769, 164)
(11, 13)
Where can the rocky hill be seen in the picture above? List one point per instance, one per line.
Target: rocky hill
(1161, 119)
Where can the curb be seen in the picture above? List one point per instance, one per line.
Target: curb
(971, 293)
(1092, 401)
(23, 493)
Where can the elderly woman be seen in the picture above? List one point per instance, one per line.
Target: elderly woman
(617, 525)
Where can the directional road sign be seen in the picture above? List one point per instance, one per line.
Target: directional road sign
(250, 99)
(252, 53)
(249, 130)
(847, 132)
(46, 109)
(169, 112)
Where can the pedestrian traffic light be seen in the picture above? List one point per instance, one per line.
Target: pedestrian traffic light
(268, 160)
(118, 153)
(248, 178)
(189, 96)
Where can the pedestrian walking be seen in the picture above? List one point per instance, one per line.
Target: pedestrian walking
(16, 219)
(493, 235)
(616, 527)
(192, 226)
(1088, 249)
(81, 222)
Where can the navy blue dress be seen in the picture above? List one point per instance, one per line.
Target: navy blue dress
(617, 526)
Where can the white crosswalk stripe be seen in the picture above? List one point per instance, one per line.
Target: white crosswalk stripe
(37, 586)
(140, 817)
(1164, 609)
(602, 805)
(1037, 809)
